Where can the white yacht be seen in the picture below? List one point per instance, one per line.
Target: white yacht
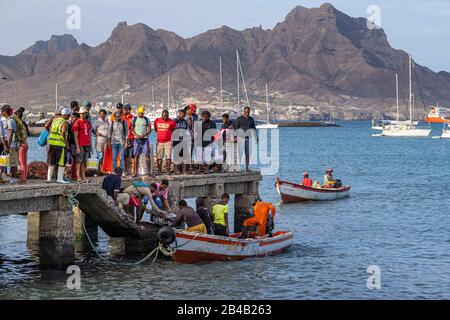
(267, 125)
(408, 128)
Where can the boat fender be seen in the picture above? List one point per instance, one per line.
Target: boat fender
(166, 235)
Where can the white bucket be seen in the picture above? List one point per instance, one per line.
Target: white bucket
(92, 164)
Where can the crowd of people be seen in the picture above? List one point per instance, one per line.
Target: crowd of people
(190, 143)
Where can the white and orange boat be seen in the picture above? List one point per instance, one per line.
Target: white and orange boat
(191, 247)
(435, 116)
(291, 192)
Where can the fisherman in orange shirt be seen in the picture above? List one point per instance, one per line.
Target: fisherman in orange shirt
(261, 219)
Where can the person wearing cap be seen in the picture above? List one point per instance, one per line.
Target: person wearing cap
(58, 145)
(119, 108)
(49, 122)
(128, 117)
(82, 134)
(263, 217)
(328, 179)
(164, 127)
(306, 182)
(141, 127)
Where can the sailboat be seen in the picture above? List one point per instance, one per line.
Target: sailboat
(382, 124)
(405, 128)
(267, 125)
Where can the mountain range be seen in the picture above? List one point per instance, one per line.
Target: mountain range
(314, 57)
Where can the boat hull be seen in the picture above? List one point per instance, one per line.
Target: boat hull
(193, 247)
(436, 120)
(445, 135)
(406, 132)
(291, 192)
(267, 126)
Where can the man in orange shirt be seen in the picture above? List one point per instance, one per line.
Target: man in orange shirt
(264, 214)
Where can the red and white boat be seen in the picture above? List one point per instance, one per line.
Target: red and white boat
(291, 192)
(193, 247)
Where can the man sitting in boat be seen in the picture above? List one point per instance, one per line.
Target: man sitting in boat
(192, 219)
(264, 214)
(328, 179)
(306, 182)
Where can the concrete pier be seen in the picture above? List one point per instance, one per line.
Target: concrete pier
(49, 209)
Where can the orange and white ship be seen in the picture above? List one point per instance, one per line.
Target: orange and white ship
(434, 116)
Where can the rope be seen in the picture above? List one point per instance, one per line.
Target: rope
(74, 203)
(177, 246)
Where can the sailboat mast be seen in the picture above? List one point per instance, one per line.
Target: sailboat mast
(267, 103)
(410, 88)
(396, 91)
(238, 85)
(153, 96)
(56, 97)
(221, 90)
(168, 92)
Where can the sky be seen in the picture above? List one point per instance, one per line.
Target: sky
(418, 26)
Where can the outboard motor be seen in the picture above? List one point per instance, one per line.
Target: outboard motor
(338, 184)
(166, 235)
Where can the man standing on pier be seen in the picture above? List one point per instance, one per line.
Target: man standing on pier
(141, 128)
(3, 139)
(164, 127)
(82, 134)
(128, 118)
(58, 145)
(245, 127)
(11, 146)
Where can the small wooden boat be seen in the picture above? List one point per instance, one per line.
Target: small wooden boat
(194, 247)
(291, 192)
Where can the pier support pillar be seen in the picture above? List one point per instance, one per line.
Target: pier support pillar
(56, 237)
(243, 204)
(91, 227)
(33, 228)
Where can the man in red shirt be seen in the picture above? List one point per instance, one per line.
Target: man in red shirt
(128, 118)
(82, 135)
(307, 182)
(164, 127)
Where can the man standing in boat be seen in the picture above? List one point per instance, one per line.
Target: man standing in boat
(264, 214)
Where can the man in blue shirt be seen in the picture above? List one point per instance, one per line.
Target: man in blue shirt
(112, 184)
